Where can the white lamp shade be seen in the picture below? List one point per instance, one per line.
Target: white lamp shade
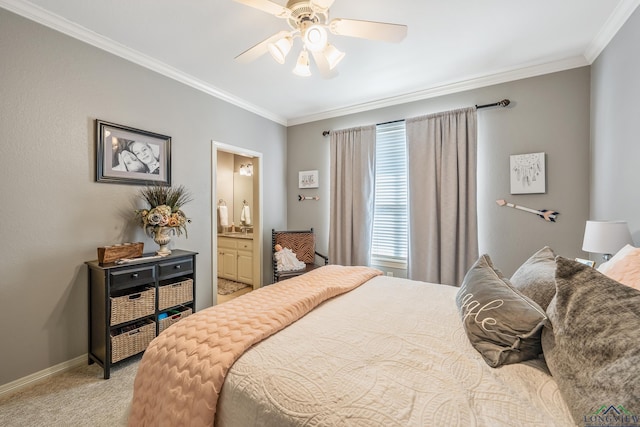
(605, 237)
(302, 66)
(280, 49)
(333, 55)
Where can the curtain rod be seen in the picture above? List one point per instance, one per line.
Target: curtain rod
(328, 132)
(502, 103)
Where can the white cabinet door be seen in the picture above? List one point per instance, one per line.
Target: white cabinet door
(220, 262)
(230, 264)
(245, 267)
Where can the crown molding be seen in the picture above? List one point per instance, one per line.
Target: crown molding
(450, 88)
(37, 14)
(617, 19)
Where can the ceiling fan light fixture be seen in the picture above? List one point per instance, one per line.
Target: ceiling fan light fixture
(309, 20)
(280, 49)
(315, 38)
(302, 65)
(333, 56)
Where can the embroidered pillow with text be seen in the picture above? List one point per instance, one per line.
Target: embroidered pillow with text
(501, 323)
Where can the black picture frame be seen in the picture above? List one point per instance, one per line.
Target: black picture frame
(125, 155)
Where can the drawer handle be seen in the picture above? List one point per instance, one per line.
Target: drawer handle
(177, 267)
(135, 296)
(134, 275)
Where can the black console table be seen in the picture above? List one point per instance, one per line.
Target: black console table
(131, 303)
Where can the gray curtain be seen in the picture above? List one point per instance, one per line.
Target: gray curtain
(352, 195)
(443, 230)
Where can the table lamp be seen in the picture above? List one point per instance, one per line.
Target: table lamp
(605, 237)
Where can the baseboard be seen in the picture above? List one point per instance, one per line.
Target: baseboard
(42, 375)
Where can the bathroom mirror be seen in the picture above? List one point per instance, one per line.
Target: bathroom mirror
(242, 198)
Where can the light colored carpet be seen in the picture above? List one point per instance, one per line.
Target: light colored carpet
(78, 397)
(226, 287)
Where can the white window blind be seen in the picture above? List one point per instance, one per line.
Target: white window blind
(390, 212)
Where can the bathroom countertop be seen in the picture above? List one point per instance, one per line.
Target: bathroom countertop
(237, 235)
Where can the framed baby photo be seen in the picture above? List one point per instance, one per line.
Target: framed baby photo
(125, 155)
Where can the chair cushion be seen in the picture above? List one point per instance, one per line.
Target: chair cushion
(282, 275)
(301, 244)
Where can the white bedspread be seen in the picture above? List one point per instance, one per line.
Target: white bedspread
(389, 353)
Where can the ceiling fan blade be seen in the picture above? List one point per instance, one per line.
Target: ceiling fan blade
(323, 65)
(267, 6)
(321, 5)
(260, 49)
(382, 31)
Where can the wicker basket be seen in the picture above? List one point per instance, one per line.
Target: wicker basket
(170, 320)
(175, 294)
(132, 306)
(132, 342)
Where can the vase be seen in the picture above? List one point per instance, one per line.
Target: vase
(162, 236)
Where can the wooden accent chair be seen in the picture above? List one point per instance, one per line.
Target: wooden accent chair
(303, 244)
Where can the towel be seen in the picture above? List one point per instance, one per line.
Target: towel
(245, 215)
(224, 216)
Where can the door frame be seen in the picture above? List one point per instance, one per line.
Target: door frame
(258, 266)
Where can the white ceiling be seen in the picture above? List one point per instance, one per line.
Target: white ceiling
(451, 45)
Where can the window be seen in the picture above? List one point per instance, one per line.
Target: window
(390, 221)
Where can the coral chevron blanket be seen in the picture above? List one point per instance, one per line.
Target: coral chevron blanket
(183, 369)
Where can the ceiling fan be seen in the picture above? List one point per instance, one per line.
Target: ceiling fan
(309, 20)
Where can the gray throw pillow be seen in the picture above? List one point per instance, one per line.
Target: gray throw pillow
(592, 344)
(501, 323)
(536, 278)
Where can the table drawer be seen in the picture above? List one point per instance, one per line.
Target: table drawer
(245, 245)
(175, 268)
(227, 243)
(131, 277)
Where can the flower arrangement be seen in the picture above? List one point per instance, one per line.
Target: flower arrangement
(164, 210)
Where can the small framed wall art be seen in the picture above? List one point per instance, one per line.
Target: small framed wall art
(126, 155)
(527, 173)
(308, 179)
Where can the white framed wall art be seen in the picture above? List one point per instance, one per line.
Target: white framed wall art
(527, 173)
(308, 179)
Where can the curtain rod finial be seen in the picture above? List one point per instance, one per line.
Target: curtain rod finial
(326, 133)
(502, 103)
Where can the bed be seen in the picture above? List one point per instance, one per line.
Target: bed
(372, 351)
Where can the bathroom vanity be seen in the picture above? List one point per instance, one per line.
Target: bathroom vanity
(235, 257)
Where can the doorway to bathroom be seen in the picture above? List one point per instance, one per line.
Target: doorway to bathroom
(236, 221)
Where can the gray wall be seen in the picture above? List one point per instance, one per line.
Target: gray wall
(53, 215)
(548, 114)
(615, 140)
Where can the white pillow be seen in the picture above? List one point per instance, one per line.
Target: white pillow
(622, 253)
(625, 267)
